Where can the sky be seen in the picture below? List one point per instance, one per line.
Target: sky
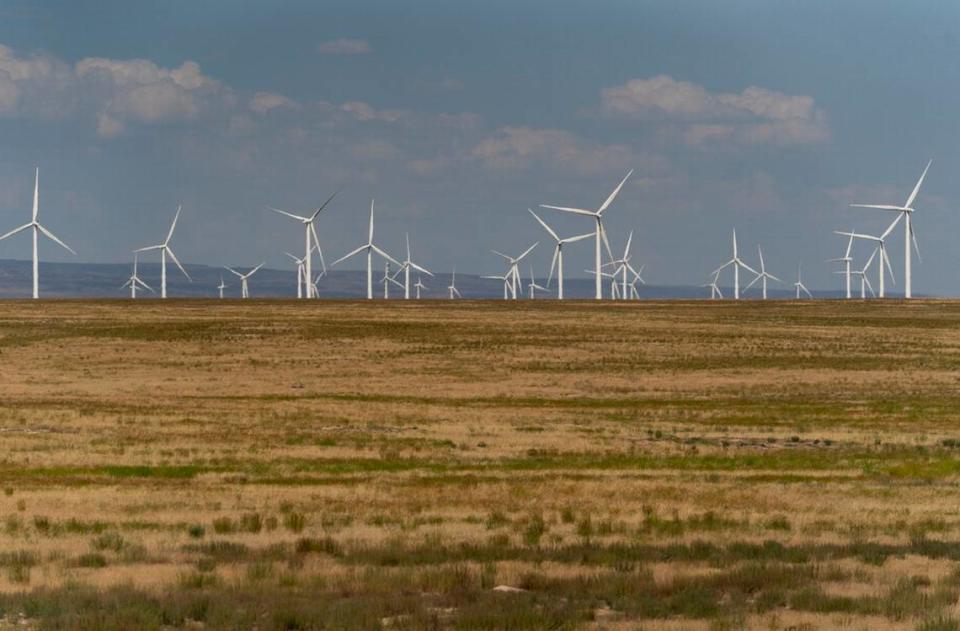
(765, 117)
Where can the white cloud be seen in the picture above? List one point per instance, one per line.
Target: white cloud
(754, 116)
(263, 102)
(365, 112)
(514, 148)
(345, 46)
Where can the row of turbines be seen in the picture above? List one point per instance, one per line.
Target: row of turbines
(623, 276)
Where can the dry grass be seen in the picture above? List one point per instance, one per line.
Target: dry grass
(652, 465)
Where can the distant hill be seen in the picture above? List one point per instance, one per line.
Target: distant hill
(103, 280)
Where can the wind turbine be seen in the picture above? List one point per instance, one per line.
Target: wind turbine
(134, 281)
(370, 248)
(909, 237)
(405, 267)
(634, 294)
(302, 278)
(847, 261)
(762, 275)
(37, 229)
(614, 288)
(452, 287)
(864, 281)
(558, 252)
(622, 269)
(881, 245)
(737, 263)
(309, 228)
(164, 251)
(714, 287)
(505, 279)
(244, 290)
(600, 234)
(513, 271)
(387, 279)
(221, 286)
(800, 286)
(419, 286)
(533, 286)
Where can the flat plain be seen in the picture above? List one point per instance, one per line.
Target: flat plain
(480, 465)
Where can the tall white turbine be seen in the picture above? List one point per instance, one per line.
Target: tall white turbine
(799, 286)
(909, 237)
(37, 229)
(369, 248)
(405, 267)
(737, 263)
(164, 251)
(221, 286)
(452, 287)
(309, 228)
(762, 276)
(419, 286)
(558, 252)
(600, 234)
(134, 281)
(244, 289)
(847, 261)
(516, 284)
(882, 246)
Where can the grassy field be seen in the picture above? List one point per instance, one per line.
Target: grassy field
(433, 465)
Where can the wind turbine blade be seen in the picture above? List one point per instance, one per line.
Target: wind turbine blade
(890, 228)
(916, 189)
(615, 192)
(146, 249)
(916, 246)
(509, 258)
(526, 252)
(316, 245)
(36, 195)
(420, 269)
(577, 211)
(15, 231)
(723, 267)
(385, 255)
(879, 206)
(51, 236)
(293, 257)
(772, 277)
(175, 260)
(758, 277)
(254, 270)
(579, 237)
(606, 243)
(173, 225)
(763, 268)
(346, 256)
(805, 290)
(145, 286)
(626, 250)
(542, 223)
(370, 238)
(869, 286)
(408, 246)
(324, 205)
(230, 269)
(870, 260)
(747, 267)
(553, 264)
(283, 212)
(886, 260)
(849, 248)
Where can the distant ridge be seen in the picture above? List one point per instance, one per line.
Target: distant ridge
(103, 280)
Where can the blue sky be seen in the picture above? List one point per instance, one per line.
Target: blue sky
(765, 117)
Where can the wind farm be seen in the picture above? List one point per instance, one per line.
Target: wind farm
(445, 316)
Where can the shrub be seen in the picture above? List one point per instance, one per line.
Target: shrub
(294, 522)
(92, 559)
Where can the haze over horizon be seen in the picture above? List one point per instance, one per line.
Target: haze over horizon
(764, 117)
